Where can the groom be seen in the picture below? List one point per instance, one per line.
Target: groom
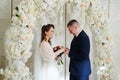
(79, 67)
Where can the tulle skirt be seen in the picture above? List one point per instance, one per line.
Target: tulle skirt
(50, 71)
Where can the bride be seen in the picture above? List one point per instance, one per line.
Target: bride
(49, 57)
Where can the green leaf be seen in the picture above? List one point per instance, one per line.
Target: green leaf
(17, 8)
(17, 15)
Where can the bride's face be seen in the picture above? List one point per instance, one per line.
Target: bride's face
(50, 33)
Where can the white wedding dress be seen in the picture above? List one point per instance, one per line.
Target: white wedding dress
(49, 64)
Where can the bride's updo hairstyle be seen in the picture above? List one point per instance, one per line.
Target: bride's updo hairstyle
(46, 28)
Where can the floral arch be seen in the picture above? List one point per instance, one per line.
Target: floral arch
(20, 36)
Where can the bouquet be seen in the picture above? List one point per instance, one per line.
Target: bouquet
(58, 57)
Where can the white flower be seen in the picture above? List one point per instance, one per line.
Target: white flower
(1, 71)
(30, 25)
(101, 62)
(26, 37)
(95, 18)
(106, 76)
(102, 68)
(22, 17)
(82, 5)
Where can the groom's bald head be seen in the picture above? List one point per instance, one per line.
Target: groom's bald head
(73, 22)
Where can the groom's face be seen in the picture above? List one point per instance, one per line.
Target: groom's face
(72, 29)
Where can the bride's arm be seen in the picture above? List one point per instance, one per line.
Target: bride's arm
(59, 51)
(47, 52)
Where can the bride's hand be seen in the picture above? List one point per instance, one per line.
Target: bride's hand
(66, 51)
(57, 48)
(56, 58)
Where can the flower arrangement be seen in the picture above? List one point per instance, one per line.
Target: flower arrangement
(19, 42)
(58, 57)
(103, 61)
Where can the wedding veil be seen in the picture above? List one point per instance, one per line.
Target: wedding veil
(36, 54)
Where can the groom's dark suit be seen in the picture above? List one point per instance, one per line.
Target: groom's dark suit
(79, 57)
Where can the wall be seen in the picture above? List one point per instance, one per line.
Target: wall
(115, 32)
(5, 12)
